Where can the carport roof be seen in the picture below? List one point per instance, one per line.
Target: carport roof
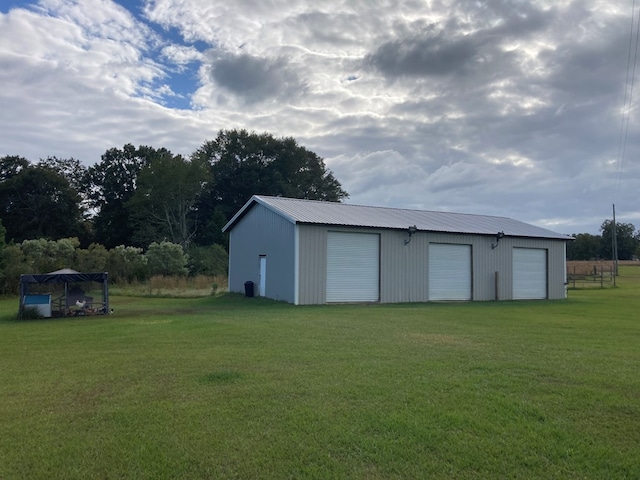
(342, 214)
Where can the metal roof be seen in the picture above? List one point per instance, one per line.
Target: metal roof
(342, 214)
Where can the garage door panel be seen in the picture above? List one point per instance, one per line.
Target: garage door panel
(529, 273)
(449, 272)
(353, 267)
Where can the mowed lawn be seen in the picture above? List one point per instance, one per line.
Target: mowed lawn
(230, 387)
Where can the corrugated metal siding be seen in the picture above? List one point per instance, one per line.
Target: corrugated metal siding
(312, 267)
(263, 232)
(404, 267)
(556, 265)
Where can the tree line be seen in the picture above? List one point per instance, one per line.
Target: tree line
(138, 196)
(124, 264)
(586, 246)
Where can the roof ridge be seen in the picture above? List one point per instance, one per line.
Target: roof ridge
(305, 211)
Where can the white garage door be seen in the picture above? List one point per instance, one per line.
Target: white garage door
(353, 267)
(529, 273)
(449, 272)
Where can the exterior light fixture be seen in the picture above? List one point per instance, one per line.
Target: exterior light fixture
(410, 231)
(499, 235)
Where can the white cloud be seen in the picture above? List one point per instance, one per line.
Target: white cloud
(181, 55)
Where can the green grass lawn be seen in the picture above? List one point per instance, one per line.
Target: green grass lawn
(230, 387)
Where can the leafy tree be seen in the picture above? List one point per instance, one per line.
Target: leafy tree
(92, 259)
(212, 261)
(111, 183)
(584, 247)
(242, 164)
(163, 205)
(43, 256)
(209, 226)
(627, 239)
(126, 264)
(37, 202)
(166, 258)
(70, 168)
(11, 165)
(15, 264)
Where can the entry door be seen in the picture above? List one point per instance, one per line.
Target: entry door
(449, 271)
(529, 273)
(263, 276)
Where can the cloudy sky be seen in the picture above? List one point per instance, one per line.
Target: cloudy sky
(519, 108)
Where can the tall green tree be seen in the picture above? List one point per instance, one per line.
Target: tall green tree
(37, 202)
(76, 175)
(11, 165)
(163, 204)
(585, 247)
(628, 240)
(209, 260)
(111, 184)
(70, 168)
(242, 164)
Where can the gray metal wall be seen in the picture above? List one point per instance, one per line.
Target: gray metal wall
(312, 264)
(404, 268)
(262, 232)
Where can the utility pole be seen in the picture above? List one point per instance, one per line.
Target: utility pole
(614, 246)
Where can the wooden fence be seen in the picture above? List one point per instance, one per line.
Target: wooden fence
(589, 276)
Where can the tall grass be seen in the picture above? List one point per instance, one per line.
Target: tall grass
(173, 286)
(232, 387)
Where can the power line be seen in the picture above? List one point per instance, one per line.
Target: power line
(626, 106)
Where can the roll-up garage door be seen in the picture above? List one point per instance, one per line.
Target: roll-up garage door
(353, 267)
(529, 273)
(449, 271)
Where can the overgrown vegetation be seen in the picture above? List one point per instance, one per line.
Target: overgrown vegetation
(125, 265)
(173, 286)
(227, 386)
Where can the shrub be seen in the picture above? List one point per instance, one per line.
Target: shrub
(166, 258)
(45, 256)
(92, 259)
(126, 264)
(15, 264)
(211, 261)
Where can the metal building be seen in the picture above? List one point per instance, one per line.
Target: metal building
(313, 252)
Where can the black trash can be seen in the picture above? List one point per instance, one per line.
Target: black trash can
(248, 288)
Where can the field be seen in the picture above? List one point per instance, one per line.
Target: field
(229, 387)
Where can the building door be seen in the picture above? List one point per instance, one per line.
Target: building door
(262, 279)
(529, 273)
(353, 267)
(449, 271)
